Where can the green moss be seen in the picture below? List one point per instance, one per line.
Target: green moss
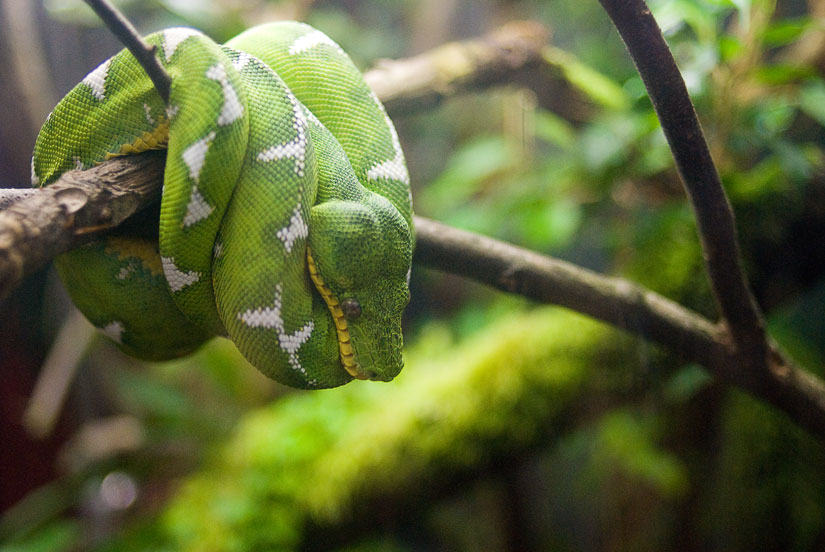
(318, 457)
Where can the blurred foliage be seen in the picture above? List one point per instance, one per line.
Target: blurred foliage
(512, 427)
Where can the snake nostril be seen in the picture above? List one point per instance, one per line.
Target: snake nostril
(372, 375)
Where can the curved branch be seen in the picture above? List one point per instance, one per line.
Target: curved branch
(714, 216)
(616, 301)
(123, 29)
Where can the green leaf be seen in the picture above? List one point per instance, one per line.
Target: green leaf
(812, 100)
(554, 130)
(597, 86)
(786, 31)
(783, 74)
(473, 163)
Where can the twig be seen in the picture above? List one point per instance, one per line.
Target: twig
(123, 29)
(714, 215)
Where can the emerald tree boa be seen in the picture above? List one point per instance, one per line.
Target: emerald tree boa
(286, 216)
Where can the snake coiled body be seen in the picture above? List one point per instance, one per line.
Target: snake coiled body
(286, 218)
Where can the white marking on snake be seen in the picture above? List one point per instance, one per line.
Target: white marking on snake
(114, 331)
(218, 250)
(197, 209)
(394, 168)
(242, 61)
(78, 164)
(310, 116)
(124, 272)
(173, 37)
(177, 278)
(195, 155)
(148, 110)
(96, 80)
(232, 109)
(270, 317)
(312, 40)
(35, 178)
(171, 111)
(296, 229)
(295, 148)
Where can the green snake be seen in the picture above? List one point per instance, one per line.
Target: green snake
(286, 215)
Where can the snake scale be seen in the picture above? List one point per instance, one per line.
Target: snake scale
(286, 215)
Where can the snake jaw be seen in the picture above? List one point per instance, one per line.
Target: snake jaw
(346, 352)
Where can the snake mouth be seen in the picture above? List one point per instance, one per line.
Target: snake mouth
(345, 350)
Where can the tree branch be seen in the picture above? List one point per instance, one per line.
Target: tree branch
(79, 207)
(714, 216)
(625, 305)
(123, 29)
(423, 81)
(542, 278)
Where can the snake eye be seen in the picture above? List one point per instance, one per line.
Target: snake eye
(351, 308)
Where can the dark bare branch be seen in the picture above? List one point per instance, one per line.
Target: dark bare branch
(714, 216)
(123, 29)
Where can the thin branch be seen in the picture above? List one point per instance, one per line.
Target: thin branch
(714, 216)
(123, 29)
(542, 278)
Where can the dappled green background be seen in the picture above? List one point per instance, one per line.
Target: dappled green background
(513, 426)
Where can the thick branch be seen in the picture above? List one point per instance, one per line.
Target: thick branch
(77, 208)
(401, 84)
(714, 215)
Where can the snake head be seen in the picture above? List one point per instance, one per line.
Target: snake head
(362, 252)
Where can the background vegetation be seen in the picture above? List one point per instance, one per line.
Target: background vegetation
(513, 426)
